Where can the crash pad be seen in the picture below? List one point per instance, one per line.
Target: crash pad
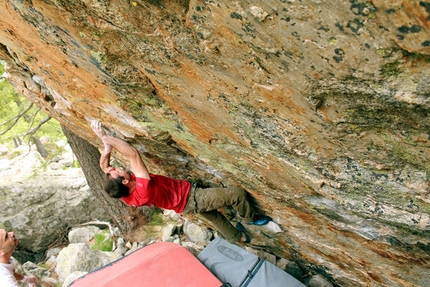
(237, 267)
(159, 264)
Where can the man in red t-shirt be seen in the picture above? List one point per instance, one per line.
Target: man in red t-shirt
(142, 188)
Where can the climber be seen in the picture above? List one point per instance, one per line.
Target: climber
(139, 187)
(8, 276)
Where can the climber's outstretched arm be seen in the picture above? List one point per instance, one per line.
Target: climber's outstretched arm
(137, 165)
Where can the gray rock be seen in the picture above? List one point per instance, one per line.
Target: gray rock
(59, 200)
(290, 267)
(72, 277)
(55, 166)
(82, 234)
(121, 248)
(35, 270)
(48, 281)
(52, 252)
(171, 214)
(24, 165)
(263, 255)
(168, 231)
(66, 162)
(79, 257)
(319, 281)
(134, 246)
(197, 233)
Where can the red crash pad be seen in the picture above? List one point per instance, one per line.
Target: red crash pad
(159, 264)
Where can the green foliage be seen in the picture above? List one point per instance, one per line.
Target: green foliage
(76, 164)
(156, 219)
(102, 242)
(11, 105)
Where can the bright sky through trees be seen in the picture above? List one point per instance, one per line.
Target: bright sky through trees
(19, 118)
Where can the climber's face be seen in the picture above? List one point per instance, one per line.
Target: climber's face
(118, 172)
(8, 242)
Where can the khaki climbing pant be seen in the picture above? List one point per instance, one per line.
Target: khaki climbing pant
(206, 201)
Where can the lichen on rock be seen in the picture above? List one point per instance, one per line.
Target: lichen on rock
(318, 108)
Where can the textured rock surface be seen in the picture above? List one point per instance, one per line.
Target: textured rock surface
(80, 257)
(318, 108)
(40, 205)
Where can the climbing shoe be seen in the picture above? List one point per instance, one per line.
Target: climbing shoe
(260, 220)
(242, 230)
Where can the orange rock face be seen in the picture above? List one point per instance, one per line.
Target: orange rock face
(318, 108)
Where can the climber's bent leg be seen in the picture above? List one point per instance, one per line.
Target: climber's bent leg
(213, 198)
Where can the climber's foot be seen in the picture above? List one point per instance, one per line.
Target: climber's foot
(260, 220)
(245, 237)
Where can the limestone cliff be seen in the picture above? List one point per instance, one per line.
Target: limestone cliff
(318, 108)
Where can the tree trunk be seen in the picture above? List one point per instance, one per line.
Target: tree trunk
(17, 141)
(40, 147)
(128, 219)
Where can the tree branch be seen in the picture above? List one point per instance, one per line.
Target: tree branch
(15, 119)
(41, 122)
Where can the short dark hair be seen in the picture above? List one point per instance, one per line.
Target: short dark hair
(114, 187)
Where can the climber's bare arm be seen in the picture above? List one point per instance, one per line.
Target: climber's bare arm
(137, 165)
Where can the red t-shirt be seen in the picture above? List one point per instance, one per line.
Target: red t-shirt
(159, 191)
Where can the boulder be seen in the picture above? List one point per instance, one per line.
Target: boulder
(82, 234)
(319, 281)
(318, 108)
(80, 257)
(197, 233)
(39, 205)
(168, 231)
(290, 267)
(72, 277)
